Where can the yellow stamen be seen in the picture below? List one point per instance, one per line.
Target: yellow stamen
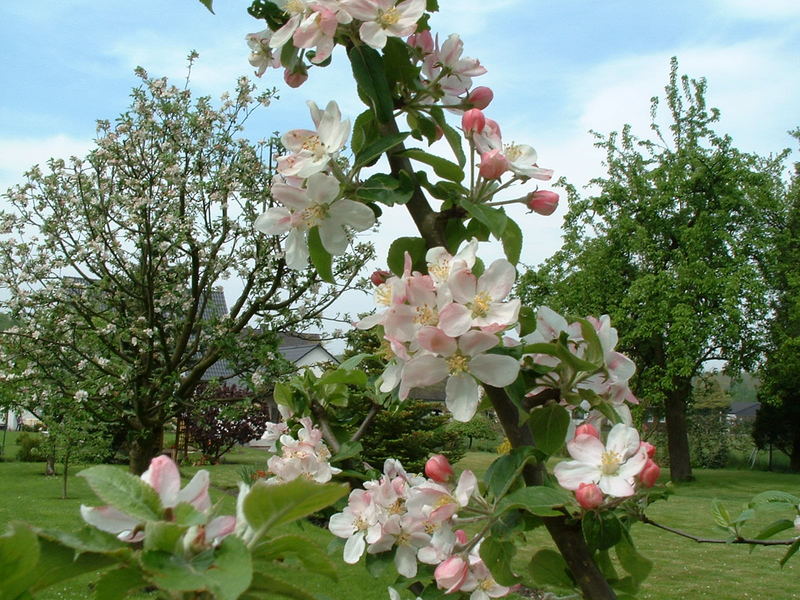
(480, 304)
(388, 17)
(294, 7)
(457, 363)
(609, 462)
(426, 315)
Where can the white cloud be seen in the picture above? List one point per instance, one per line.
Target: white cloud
(763, 9)
(469, 17)
(17, 155)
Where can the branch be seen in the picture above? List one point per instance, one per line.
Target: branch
(362, 429)
(325, 427)
(700, 540)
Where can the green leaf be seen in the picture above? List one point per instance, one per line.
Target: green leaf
(790, 552)
(305, 550)
(601, 530)
(352, 362)
(378, 564)
(118, 583)
(527, 320)
(594, 349)
(59, 563)
(539, 500)
(347, 450)
(442, 167)
(365, 131)
(721, 515)
(87, 539)
(374, 150)
(368, 71)
(634, 563)
(385, 189)
(267, 506)
(19, 555)
(320, 258)
(452, 136)
(497, 556)
(547, 567)
(348, 377)
(187, 515)
(266, 586)
(160, 535)
(476, 229)
(494, 218)
(512, 242)
(776, 497)
(398, 65)
(208, 5)
(416, 247)
(774, 528)
(124, 492)
(232, 570)
(504, 471)
(549, 425)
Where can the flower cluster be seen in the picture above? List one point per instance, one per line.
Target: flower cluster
(164, 478)
(608, 384)
(417, 516)
(310, 196)
(611, 469)
(441, 326)
(304, 456)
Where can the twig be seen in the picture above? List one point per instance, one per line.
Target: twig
(701, 540)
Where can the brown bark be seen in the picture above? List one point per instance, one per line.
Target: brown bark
(794, 457)
(680, 466)
(144, 445)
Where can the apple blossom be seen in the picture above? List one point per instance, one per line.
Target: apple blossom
(480, 97)
(587, 429)
(543, 202)
(589, 496)
(650, 473)
(472, 120)
(493, 165)
(451, 574)
(311, 151)
(382, 19)
(438, 468)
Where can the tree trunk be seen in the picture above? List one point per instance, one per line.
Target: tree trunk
(50, 466)
(794, 457)
(65, 466)
(680, 466)
(566, 532)
(144, 445)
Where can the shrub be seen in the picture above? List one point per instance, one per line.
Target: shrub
(31, 448)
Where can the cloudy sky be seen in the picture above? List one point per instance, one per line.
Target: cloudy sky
(558, 69)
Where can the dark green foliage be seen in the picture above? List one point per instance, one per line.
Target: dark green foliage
(411, 434)
(709, 440)
(479, 428)
(31, 448)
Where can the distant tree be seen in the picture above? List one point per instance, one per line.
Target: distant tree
(111, 261)
(709, 395)
(673, 246)
(778, 420)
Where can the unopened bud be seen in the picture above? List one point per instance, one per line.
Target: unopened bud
(473, 121)
(480, 97)
(649, 448)
(461, 536)
(650, 473)
(493, 164)
(379, 277)
(589, 496)
(451, 574)
(438, 468)
(294, 79)
(543, 202)
(587, 429)
(422, 40)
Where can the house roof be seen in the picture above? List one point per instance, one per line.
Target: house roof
(744, 409)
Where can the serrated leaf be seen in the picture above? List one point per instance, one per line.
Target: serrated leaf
(497, 556)
(347, 450)
(634, 563)
(19, 555)
(305, 550)
(349, 377)
(416, 247)
(384, 189)
(502, 473)
(320, 258)
(512, 241)
(59, 563)
(160, 535)
(594, 349)
(124, 492)
(774, 528)
(451, 135)
(547, 567)
(721, 515)
(790, 552)
(549, 425)
(527, 321)
(368, 71)
(774, 497)
(538, 500)
(266, 586)
(442, 167)
(374, 150)
(493, 218)
(87, 539)
(118, 583)
(601, 530)
(365, 131)
(267, 506)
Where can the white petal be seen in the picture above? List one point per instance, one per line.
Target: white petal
(616, 486)
(623, 440)
(354, 548)
(107, 518)
(296, 250)
(498, 279)
(461, 396)
(333, 237)
(353, 214)
(495, 369)
(571, 474)
(275, 221)
(372, 34)
(587, 449)
(322, 188)
(196, 492)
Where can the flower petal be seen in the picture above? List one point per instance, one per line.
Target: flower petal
(461, 396)
(571, 474)
(495, 369)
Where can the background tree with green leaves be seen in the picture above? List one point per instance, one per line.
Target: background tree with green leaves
(112, 261)
(673, 244)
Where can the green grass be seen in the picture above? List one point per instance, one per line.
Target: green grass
(683, 569)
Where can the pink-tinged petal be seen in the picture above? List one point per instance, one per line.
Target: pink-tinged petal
(353, 214)
(455, 319)
(623, 440)
(370, 321)
(495, 369)
(164, 478)
(634, 465)
(437, 341)
(500, 315)
(424, 370)
(614, 485)
(294, 140)
(275, 221)
(219, 527)
(405, 559)
(333, 237)
(372, 34)
(571, 474)
(549, 323)
(354, 548)
(462, 396)
(108, 518)
(296, 250)
(463, 285)
(475, 342)
(399, 322)
(621, 366)
(363, 10)
(586, 448)
(498, 279)
(290, 196)
(467, 484)
(391, 376)
(341, 525)
(196, 492)
(282, 35)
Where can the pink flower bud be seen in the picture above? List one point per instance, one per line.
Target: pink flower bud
(587, 429)
(294, 79)
(543, 202)
(650, 473)
(451, 574)
(480, 97)
(380, 276)
(473, 121)
(461, 536)
(422, 40)
(649, 448)
(589, 496)
(438, 468)
(493, 164)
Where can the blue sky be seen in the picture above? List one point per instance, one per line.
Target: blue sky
(558, 69)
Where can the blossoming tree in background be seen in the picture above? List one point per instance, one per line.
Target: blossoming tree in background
(444, 316)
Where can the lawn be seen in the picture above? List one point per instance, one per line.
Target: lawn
(684, 569)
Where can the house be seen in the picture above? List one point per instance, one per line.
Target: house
(743, 411)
